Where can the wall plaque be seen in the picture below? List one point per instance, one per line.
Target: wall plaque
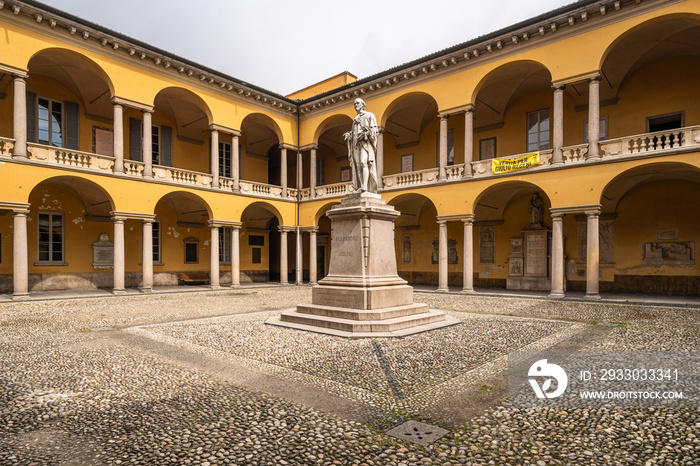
(676, 253)
(103, 253)
(487, 245)
(535, 253)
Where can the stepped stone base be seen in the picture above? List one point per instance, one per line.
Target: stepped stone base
(363, 296)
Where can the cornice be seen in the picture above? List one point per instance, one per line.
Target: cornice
(54, 23)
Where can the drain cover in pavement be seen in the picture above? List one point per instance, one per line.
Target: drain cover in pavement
(418, 432)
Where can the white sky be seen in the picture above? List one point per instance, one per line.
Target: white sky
(286, 45)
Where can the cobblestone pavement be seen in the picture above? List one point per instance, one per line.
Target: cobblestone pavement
(197, 378)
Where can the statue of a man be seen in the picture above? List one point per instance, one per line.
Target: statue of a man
(536, 210)
(362, 149)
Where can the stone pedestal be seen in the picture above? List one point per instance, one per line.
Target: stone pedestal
(362, 295)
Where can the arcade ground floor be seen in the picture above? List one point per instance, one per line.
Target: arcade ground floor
(198, 378)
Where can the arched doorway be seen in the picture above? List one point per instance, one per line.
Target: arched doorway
(260, 247)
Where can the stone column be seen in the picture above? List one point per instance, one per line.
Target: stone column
(380, 158)
(283, 257)
(593, 256)
(298, 274)
(147, 144)
(300, 172)
(214, 256)
(468, 270)
(442, 258)
(20, 116)
(234, 164)
(468, 141)
(312, 172)
(557, 291)
(593, 118)
(235, 256)
(147, 254)
(214, 159)
(313, 271)
(283, 170)
(118, 287)
(118, 123)
(20, 256)
(558, 125)
(442, 165)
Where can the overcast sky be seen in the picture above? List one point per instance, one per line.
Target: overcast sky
(286, 45)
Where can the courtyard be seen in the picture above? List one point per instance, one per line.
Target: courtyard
(198, 378)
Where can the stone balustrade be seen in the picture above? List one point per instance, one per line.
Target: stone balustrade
(179, 176)
(419, 177)
(333, 190)
(662, 141)
(629, 146)
(261, 189)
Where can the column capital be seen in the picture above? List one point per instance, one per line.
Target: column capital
(575, 209)
(148, 220)
(310, 229)
(381, 129)
(118, 219)
(558, 87)
(149, 111)
(214, 129)
(132, 215)
(594, 78)
(443, 116)
(592, 213)
(468, 219)
(442, 222)
(224, 129)
(14, 206)
(557, 215)
(286, 146)
(17, 76)
(20, 212)
(312, 146)
(224, 223)
(287, 229)
(116, 100)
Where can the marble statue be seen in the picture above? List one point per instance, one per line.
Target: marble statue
(362, 149)
(536, 210)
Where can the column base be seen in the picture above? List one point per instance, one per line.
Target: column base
(594, 159)
(119, 292)
(284, 283)
(555, 295)
(20, 297)
(237, 285)
(467, 291)
(442, 290)
(146, 290)
(215, 287)
(592, 297)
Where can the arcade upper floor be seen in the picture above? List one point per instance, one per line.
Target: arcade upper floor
(78, 97)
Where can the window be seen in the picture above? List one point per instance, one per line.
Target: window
(602, 129)
(225, 159)
(538, 130)
(191, 250)
(450, 148)
(406, 163)
(155, 144)
(664, 122)
(257, 256)
(225, 245)
(50, 238)
(50, 122)
(256, 240)
(157, 259)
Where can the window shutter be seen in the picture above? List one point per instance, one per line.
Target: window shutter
(135, 139)
(31, 117)
(167, 146)
(72, 125)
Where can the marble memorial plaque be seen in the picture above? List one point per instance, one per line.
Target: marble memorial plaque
(535, 253)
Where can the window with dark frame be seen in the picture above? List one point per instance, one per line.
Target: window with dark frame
(257, 255)
(50, 118)
(191, 251)
(256, 240)
(225, 159)
(50, 238)
(155, 144)
(450, 148)
(225, 245)
(155, 234)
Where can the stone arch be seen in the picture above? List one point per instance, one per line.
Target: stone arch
(505, 85)
(79, 74)
(187, 110)
(188, 207)
(321, 212)
(408, 114)
(97, 202)
(332, 123)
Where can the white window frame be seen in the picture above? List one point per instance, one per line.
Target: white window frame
(539, 131)
(51, 260)
(50, 123)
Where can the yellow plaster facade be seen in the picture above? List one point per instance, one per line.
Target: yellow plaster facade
(255, 172)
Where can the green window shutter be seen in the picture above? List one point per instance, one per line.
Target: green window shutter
(167, 147)
(135, 139)
(31, 117)
(72, 125)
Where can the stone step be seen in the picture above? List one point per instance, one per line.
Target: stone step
(360, 314)
(366, 326)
